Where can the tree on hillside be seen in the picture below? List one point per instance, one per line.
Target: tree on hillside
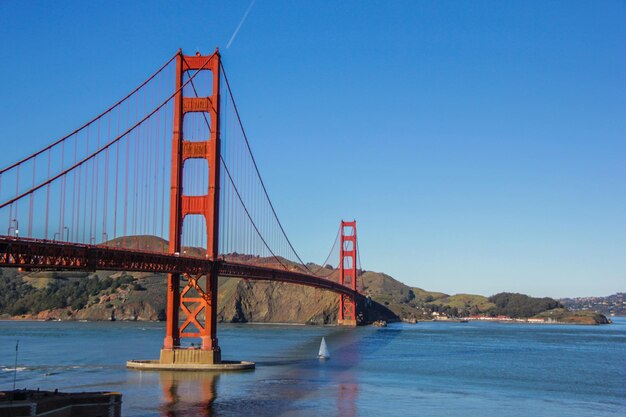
(17, 297)
(520, 305)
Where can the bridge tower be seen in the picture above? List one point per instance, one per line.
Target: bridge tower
(347, 272)
(200, 293)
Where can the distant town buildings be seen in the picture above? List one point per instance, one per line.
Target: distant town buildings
(613, 305)
(444, 317)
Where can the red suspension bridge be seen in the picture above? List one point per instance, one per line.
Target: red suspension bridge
(164, 181)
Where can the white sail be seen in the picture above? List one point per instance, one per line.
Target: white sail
(323, 354)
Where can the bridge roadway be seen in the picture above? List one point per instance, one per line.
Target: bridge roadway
(55, 255)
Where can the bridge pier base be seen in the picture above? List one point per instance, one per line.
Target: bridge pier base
(155, 365)
(190, 360)
(190, 356)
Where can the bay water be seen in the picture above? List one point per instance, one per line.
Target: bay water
(426, 369)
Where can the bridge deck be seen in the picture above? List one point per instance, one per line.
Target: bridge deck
(54, 255)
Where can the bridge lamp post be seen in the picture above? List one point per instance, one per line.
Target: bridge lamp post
(67, 233)
(54, 237)
(16, 229)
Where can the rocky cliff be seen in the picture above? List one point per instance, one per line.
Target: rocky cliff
(142, 297)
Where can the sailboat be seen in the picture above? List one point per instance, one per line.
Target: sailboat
(323, 354)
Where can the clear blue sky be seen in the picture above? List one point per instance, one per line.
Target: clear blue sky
(480, 145)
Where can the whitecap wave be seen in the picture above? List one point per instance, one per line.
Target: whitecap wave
(18, 369)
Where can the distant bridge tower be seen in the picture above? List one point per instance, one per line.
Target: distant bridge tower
(199, 297)
(347, 272)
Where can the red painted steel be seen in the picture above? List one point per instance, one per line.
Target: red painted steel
(172, 334)
(347, 272)
(201, 290)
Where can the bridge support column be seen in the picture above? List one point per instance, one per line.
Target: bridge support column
(196, 303)
(209, 337)
(172, 338)
(347, 273)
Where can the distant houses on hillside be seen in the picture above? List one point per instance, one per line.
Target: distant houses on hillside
(443, 317)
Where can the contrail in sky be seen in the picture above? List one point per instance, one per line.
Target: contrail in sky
(243, 19)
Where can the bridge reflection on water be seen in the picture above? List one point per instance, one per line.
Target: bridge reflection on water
(278, 387)
(194, 394)
(186, 393)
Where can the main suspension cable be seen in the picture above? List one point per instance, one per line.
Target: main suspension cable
(257, 170)
(105, 147)
(332, 249)
(28, 158)
(236, 189)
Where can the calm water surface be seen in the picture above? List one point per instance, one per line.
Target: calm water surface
(428, 369)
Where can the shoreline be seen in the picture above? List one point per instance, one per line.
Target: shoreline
(255, 323)
(540, 323)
